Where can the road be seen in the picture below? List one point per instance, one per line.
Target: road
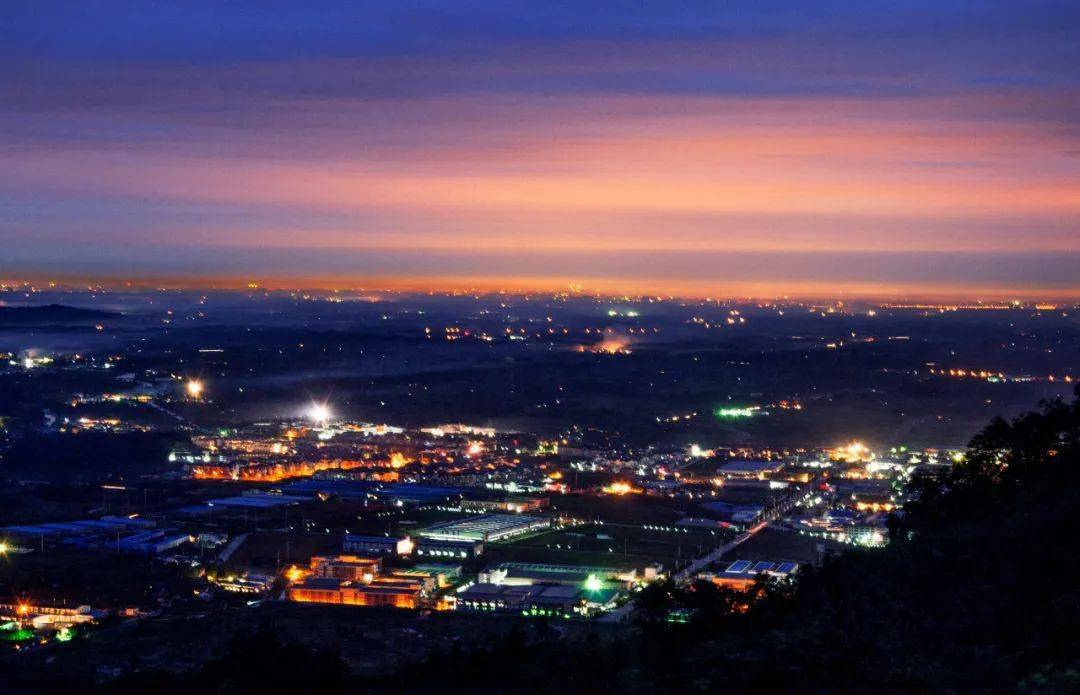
(706, 560)
(623, 612)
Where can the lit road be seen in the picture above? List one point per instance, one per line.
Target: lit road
(623, 612)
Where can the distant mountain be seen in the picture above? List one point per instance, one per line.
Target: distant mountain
(50, 313)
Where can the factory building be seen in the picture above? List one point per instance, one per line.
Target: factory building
(377, 545)
(399, 594)
(531, 573)
(432, 549)
(445, 575)
(487, 528)
(548, 590)
(553, 600)
(512, 505)
(113, 533)
(749, 469)
(346, 567)
(360, 581)
(246, 583)
(742, 574)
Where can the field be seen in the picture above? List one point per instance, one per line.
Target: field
(775, 545)
(610, 544)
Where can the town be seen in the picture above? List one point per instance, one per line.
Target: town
(158, 476)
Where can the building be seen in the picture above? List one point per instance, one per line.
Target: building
(432, 549)
(346, 567)
(547, 590)
(328, 590)
(87, 533)
(377, 545)
(428, 579)
(736, 513)
(487, 528)
(532, 573)
(44, 616)
(445, 575)
(512, 505)
(553, 600)
(359, 581)
(246, 583)
(742, 574)
(751, 469)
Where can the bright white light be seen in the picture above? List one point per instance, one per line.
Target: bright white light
(319, 412)
(194, 388)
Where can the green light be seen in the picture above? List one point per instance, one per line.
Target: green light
(18, 635)
(64, 634)
(735, 412)
(593, 583)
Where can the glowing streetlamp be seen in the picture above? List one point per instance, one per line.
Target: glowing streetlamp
(194, 388)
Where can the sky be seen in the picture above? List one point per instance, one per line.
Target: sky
(765, 147)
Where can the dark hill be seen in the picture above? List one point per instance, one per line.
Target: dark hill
(50, 313)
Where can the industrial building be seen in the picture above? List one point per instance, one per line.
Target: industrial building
(742, 574)
(44, 616)
(487, 528)
(751, 469)
(513, 505)
(395, 493)
(377, 545)
(246, 583)
(555, 600)
(359, 581)
(531, 573)
(254, 504)
(445, 575)
(433, 549)
(550, 590)
(119, 534)
(346, 567)
(399, 594)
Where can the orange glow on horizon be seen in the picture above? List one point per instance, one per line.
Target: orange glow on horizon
(686, 289)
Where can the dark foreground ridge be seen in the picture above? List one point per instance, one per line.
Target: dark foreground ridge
(976, 593)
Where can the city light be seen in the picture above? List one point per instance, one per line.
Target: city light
(194, 388)
(319, 412)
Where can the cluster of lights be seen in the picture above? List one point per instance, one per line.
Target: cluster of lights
(995, 377)
(619, 488)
